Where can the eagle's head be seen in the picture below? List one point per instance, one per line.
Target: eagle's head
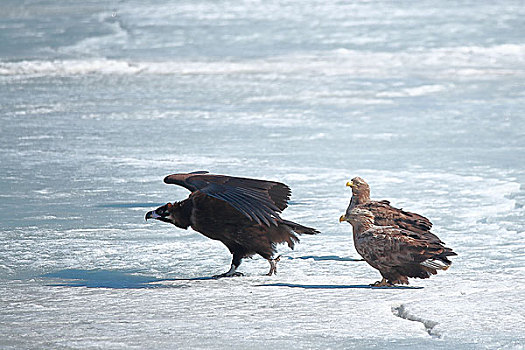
(360, 189)
(172, 213)
(358, 185)
(358, 216)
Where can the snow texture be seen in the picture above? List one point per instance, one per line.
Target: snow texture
(99, 101)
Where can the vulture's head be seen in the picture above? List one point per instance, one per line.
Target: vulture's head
(162, 213)
(358, 216)
(171, 213)
(360, 189)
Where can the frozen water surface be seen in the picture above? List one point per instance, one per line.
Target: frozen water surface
(99, 101)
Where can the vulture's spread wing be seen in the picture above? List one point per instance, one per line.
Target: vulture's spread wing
(259, 200)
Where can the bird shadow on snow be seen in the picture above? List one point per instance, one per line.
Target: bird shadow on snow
(130, 279)
(330, 286)
(114, 279)
(334, 286)
(324, 258)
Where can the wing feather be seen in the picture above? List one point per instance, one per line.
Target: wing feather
(240, 203)
(387, 215)
(401, 248)
(259, 200)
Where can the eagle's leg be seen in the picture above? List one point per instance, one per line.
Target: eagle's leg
(232, 272)
(273, 266)
(382, 283)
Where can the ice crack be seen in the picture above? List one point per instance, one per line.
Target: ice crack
(402, 312)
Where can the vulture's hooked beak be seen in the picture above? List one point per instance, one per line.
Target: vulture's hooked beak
(152, 215)
(341, 219)
(350, 184)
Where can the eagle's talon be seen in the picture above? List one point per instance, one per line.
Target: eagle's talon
(382, 283)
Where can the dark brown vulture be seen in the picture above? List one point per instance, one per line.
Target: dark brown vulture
(384, 213)
(396, 253)
(242, 213)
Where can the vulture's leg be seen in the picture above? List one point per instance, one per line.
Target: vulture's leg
(236, 261)
(382, 283)
(273, 266)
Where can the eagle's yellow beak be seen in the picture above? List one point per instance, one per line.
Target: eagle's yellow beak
(350, 184)
(342, 218)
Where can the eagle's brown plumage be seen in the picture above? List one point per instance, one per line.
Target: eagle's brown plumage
(242, 213)
(397, 253)
(384, 213)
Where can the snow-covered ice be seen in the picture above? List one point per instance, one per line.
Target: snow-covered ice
(99, 102)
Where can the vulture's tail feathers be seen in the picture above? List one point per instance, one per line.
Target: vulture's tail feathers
(300, 229)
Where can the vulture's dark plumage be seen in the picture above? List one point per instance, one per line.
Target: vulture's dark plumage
(397, 253)
(242, 213)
